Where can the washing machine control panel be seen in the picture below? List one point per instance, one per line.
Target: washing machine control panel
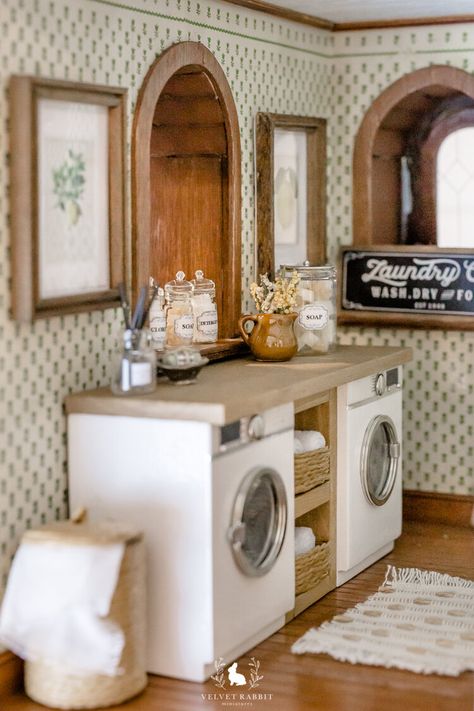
(253, 428)
(256, 427)
(380, 384)
(387, 381)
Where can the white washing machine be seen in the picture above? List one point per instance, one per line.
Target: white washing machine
(216, 506)
(369, 472)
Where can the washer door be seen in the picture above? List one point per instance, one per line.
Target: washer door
(379, 459)
(259, 521)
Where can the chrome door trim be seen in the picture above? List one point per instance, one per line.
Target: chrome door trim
(236, 531)
(393, 453)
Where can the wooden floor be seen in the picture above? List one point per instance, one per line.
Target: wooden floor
(318, 683)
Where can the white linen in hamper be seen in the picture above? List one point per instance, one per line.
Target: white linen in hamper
(305, 540)
(308, 440)
(54, 603)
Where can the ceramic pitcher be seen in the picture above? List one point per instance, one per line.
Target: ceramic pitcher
(272, 337)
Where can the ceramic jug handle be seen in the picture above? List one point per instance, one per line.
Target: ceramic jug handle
(242, 321)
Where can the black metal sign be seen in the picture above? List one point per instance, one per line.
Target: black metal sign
(408, 281)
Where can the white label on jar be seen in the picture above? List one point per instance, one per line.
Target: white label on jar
(183, 326)
(158, 330)
(207, 323)
(141, 374)
(313, 317)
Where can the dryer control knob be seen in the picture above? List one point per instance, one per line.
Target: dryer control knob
(256, 427)
(380, 385)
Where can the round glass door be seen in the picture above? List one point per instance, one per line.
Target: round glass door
(258, 521)
(379, 459)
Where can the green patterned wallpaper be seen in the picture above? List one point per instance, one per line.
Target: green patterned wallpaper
(272, 65)
(439, 386)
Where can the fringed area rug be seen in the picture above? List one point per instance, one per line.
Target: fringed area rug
(418, 620)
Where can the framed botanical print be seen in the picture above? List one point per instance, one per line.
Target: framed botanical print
(290, 190)
(67, 196)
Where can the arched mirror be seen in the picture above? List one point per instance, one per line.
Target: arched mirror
(413, 182)
(186, 177)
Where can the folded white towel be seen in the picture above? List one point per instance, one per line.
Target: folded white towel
(297, 446)
(308, 440)
(55, 603)
(305, 540)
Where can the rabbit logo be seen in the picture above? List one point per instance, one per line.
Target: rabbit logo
(235, 677)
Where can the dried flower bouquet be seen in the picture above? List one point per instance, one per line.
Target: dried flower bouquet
(275, 297)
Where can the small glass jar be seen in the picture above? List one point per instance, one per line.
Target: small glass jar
(315, 327)
(135, 365)
(157, 318)
(204, 309)
(179, 311)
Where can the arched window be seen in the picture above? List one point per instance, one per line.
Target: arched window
(455, 189)
(395, 157)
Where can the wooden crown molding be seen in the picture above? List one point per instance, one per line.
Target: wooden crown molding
(284, 13)
(402, 22)
(323, 24)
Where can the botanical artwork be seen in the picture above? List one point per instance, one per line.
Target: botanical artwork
(73, 198)
(289, 196)
(69, 182)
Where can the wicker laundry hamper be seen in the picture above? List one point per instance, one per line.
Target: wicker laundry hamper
(312, 567)
(54, 686)
(311, 469)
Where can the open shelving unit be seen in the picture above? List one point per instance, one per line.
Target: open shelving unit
(316, 507)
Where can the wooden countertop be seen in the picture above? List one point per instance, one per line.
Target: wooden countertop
(224, 392)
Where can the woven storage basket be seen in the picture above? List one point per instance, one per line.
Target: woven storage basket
(312, 567)
(54, 686)
(311, 469)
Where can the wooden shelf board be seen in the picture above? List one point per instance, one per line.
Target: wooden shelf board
(309, 597)
(311, 499)
(306, 403)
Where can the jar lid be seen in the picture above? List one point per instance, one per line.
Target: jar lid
(202, 285)
(179, 286)
(310, 271)
(181, 356)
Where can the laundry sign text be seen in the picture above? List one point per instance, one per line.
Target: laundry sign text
(408, 281)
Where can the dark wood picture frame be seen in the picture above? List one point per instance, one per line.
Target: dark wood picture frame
(25, 92)
(315, 129)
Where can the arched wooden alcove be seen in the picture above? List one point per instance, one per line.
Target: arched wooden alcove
(383, 138)
(186, 177)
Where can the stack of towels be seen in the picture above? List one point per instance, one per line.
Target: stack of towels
(308, 440)
(305, 540)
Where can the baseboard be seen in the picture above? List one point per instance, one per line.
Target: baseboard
(11, 674)
(433, 507)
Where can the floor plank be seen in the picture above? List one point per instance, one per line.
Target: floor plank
(317, 682)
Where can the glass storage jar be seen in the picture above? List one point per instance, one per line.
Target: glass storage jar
(179, 311)
(315, 327)
(204, 309)
(135, 365)
(157, 318)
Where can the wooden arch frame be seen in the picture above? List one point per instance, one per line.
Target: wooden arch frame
(189, 56)
(362, 201)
